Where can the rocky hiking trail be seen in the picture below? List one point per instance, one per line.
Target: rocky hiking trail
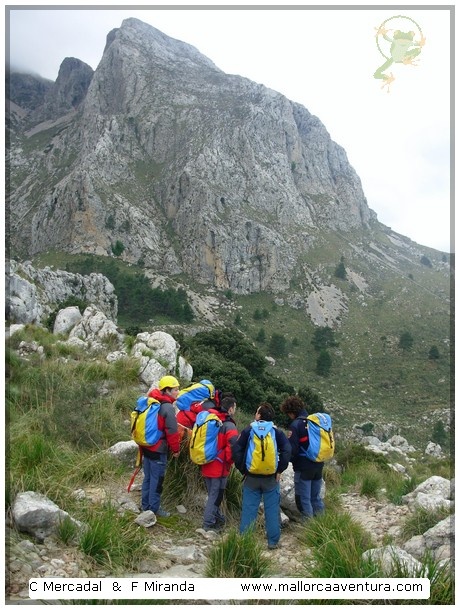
(177, 550)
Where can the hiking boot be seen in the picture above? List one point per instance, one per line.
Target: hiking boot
(272, 547)
(162, 513)
(213, 528)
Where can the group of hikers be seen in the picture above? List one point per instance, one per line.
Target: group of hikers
(261, 452)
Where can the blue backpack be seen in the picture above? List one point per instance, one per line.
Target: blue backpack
(203, 446)
(320, 436)
(262, 451)
(144, 422)
(195, 393)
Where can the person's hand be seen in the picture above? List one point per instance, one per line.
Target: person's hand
(176, 455)
(278, 477)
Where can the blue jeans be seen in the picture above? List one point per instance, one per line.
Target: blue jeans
(152, 485)
(250, 507)
(307, 495)
(212, 512)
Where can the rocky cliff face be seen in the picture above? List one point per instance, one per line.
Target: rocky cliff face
(191, 169)
(34, 293)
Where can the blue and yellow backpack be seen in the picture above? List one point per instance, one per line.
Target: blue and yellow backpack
(195, 393)
(203, 446)
(321, 438)
(144, 428)
(262, 451)
(144, 422)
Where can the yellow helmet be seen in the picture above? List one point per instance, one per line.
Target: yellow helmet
(168, 381)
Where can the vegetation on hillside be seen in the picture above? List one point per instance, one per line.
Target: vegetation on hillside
(138, 302)
(387, 360)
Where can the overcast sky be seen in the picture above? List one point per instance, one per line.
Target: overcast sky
(398, 141)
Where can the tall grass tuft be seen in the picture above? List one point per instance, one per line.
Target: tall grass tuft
(421, 520)
(67, 530)
(372, 481)
(398, 486)
(111, 540)
(337, 544)
(238, 556)
(440, 575)
(183, 482)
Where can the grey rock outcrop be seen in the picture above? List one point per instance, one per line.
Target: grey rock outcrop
(434, 493)
(396, 444)
(438, 540)
(32, 293)
(390, 558)
(26, 91)
(434, 450)
(94, 327)
(37, 515)
(66, 319)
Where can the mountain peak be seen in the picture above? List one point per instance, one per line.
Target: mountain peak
(191, 170)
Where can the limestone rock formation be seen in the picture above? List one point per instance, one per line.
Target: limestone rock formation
(34, 293)
(190, 169)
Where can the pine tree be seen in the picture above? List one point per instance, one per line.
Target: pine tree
(323, 363)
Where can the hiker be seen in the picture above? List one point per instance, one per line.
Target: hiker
(308, 475)
(216, 473)
(261, 462)
(155, 457)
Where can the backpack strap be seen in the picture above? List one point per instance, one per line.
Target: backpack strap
(303, 439)
(135, 421)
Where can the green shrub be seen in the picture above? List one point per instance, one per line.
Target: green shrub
(353, 454)
(118, 248)
(323, 363)
(69, 302)
(138, 302)
(406, 341)
(340, 271)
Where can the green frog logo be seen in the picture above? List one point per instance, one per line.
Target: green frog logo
(397, 46)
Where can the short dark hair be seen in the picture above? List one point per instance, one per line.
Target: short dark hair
(292, 404)
(227, 403)
(266, 411)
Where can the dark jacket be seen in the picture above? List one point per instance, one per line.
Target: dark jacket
(298, 438)
(240, 447)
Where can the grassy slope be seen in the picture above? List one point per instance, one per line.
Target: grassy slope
(371, 377)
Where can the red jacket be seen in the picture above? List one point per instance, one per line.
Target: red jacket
(166, 423)
(186, 419)
(228, 434)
